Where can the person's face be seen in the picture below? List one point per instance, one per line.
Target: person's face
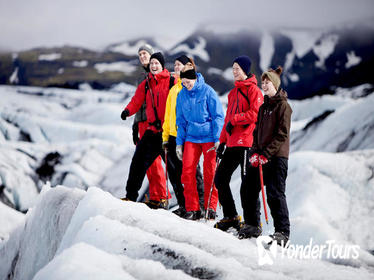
(144, 57)
(268, 87)
(188, 83)
(238, 72)
(178, 66)
(155, 66)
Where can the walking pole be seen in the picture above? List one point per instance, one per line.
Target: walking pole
(263, 192)
(166, 176)
(211, 189)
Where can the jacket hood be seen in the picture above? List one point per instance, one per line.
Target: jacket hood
(280, 95)
(250, 81)
(162, 75)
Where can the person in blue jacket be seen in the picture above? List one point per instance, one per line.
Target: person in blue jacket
(199, 120)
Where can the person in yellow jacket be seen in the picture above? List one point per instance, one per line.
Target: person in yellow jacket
(169, 134)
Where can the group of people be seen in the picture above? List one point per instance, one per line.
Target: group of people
(179, 117)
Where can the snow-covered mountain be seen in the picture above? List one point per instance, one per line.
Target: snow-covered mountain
(81, 229)
(316, 61)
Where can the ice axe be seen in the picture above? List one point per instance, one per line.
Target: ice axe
(211, 189)
(263, 191)
(166, 176)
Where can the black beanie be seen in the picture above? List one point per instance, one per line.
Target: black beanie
(244, 63)
(183, 59)
(159, 57)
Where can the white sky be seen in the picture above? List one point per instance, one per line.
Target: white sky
(97, 23)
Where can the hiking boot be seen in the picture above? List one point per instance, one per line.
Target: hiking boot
(211, 214)
(281, 238)
(249, 231)
(193, 215)
(181, 211)
(154, 204)
(227, 222)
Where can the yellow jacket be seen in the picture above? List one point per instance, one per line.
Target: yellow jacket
(169, 127)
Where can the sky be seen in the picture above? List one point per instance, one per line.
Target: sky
(97, 23)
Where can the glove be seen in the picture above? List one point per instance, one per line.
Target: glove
(262, 160)
(165, 145)
(135, 133)
(179, 151)
(220, 150)
(229, 128)
(125, 113)
(254, 159)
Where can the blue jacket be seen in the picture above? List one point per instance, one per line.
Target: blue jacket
(200, 115)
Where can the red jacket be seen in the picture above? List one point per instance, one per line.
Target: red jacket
(241, 114)
(159, 85)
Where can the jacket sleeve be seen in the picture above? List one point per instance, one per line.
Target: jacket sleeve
(166, 125)
(180, 121)
(216, 113)
(283, 132)
(250, 116)
(137, 100)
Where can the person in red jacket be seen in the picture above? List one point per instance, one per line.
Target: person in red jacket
(154, 91)
(244, 101)
(155, 172)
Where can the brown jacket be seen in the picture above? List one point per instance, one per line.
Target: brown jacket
(272, 132)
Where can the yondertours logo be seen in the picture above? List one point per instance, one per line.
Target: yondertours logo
(268, 250)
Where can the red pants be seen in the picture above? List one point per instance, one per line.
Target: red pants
(155, 173)
(191, 157)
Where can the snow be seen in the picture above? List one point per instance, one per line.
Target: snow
(122, 66)
(100, 236)
(85, 86)
(214, 71)
(293, 77)
(227, 74)
(82, 230)
(346, 130)
(266, 51)
(122, 87)
(325, 48)
(81, 63)
(50, 56)
(9, 218)
(303, 41)
(352, 60)
(14, 77)
(198, 49)
(128, 49)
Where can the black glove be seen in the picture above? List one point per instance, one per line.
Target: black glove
(220, 150)
(135, 133)
(229, 128)
(125, 113)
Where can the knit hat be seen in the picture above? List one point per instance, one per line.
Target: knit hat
(244, 63)
(183, 59)
(159, 57)
(146, 47)
(273, 76)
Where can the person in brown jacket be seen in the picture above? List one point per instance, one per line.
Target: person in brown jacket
(271, 142)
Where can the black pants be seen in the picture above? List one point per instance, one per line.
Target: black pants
(275, 174)
(232, 158)
(174, 166)
(146, 152)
